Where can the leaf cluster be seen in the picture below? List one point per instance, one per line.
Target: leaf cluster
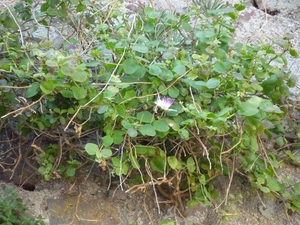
(227, 95)
(14, 212)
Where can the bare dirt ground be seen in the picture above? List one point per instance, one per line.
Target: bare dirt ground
(86, 200)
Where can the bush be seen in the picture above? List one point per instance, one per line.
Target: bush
(174, 97)
(14, 212)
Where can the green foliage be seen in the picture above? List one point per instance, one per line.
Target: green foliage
(14, 212)
(48, 164)
(172, 95)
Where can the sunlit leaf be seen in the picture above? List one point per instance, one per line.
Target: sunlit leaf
(102, 109)
(250, 107)
(110, 92)
(190, 164)
(264, 189)
(179, 69)
(173, 92)
(106, 153)
(173, 162)
(161, 125)
(147, 130)
(294, 53)
(132, 132)
(140, 48)
(91, 148)
(79, 76)
(107, 140)
(70, 172)
(79, 92)
(239, 7)
(273, 185)
(47, 87)
(212, 83)
(145, 117)
(219, 67)
(118, 136)
(130, 66)
(154, 70)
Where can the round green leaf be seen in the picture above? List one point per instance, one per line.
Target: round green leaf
(145, 117)
(139, 73)
(110, 92)
(219, 67)
(126, 124)
(67, 93)
(121, 110)
(273, 184)
(179, 69)
(91, 148)
(80, 76)
(154, 70)
(187, 27)
(264, 189)
(118, 136)
(70, 172)
(173, 92)
(68, 70)
(32, 91)
(106, 153)
(161, 125)
(130, 66)
(92, 63)
(79, 92)
(51, 12)
(107, 141)
(212, 83)
(140, 48)
(132, 132)
(250, 107)
(47, 86)
(147, 130)
(175, 126)
(102, 109)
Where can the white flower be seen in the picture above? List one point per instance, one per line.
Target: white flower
(165, 103)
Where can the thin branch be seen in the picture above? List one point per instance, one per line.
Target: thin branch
(20, 110)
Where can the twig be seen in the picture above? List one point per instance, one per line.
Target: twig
(155, 194)
(21, 34)
(23, 108)
(230, 181)
(19, 158)
(206, 151)
(121, 163)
